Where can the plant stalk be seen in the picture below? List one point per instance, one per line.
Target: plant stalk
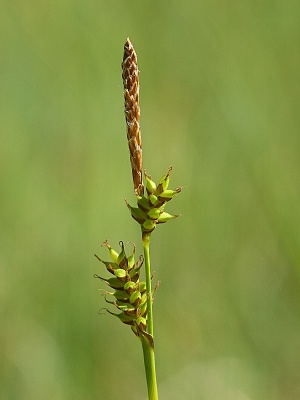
(146, 245)
(148, 349)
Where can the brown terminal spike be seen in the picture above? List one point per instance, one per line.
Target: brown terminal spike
(130, 77)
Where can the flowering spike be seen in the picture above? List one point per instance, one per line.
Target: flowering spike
(130, 294)
(130, 77)
(150, 210)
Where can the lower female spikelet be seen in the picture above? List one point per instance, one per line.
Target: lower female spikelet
(129, 293)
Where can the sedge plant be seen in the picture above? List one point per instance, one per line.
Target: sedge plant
(132, 297)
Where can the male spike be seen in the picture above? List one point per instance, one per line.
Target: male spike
(130, 77)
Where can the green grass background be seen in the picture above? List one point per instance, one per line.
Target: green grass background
(220, 93)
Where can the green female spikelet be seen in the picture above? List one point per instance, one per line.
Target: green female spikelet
(130, 296)
(150, 208)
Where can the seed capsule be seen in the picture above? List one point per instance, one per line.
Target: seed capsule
(154, 213)
(120, 273)
(138, 214)
(143, 203)
(142, 323)
(135, 298)
(165, 217)
(130, 259)
(149, 225)
(142, 287)
(167, 194)
(164, 182)
(127, 308)
(130, 286)
(114, 255)
(150, 185)
(122, 259)
(153, 199)
(143, 309)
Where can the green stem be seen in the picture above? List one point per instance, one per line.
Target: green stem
(148, 350)
(146, 244)
(149, 361)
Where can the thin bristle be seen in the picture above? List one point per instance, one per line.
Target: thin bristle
(130, 77)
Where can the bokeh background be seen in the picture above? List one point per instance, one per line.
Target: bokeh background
(220, 93)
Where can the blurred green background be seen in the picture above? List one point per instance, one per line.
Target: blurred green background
(220, 91)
